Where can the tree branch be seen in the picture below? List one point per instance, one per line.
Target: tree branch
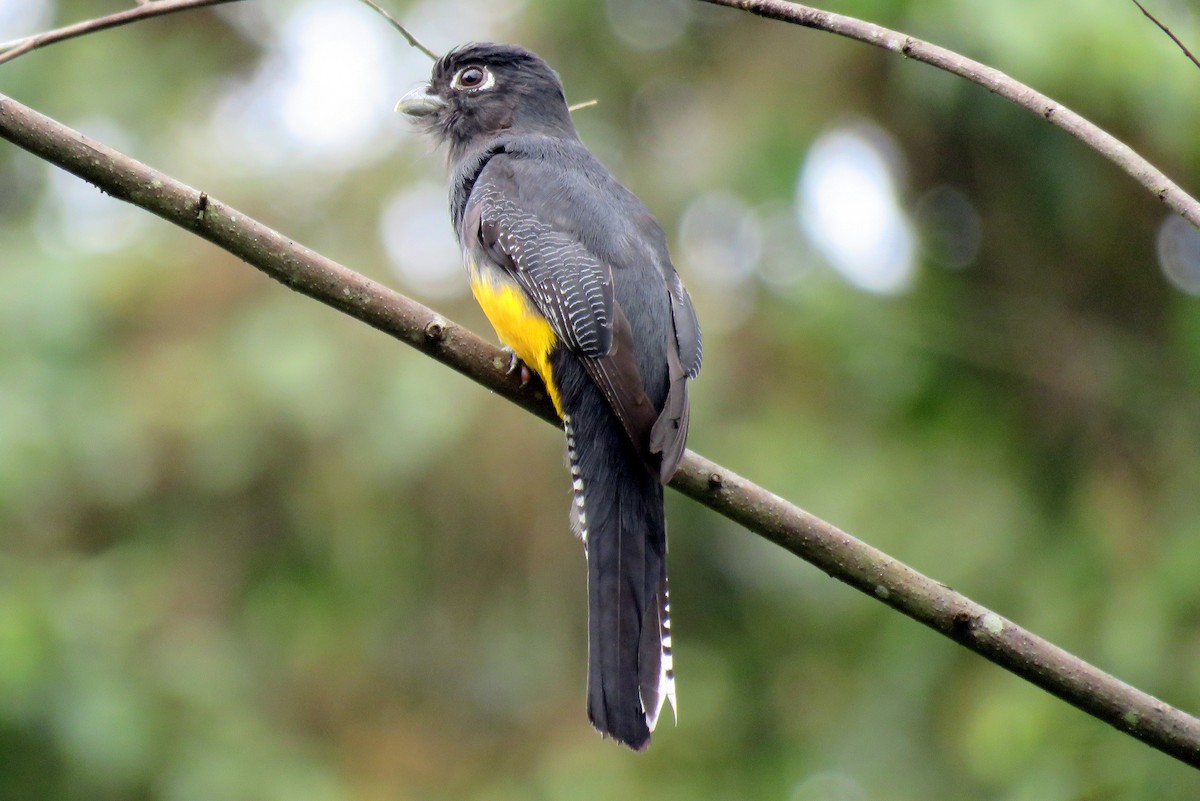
(144, 10)
(991, 79)
(841, 556)
(412, 40)
(1167, 31)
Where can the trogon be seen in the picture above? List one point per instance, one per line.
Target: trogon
(573, 273)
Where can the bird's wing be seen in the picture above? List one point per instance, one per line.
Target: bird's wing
(571, 288)
(687, 327)
(668, 437)
(510, 217)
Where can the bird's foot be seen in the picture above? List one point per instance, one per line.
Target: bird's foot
(515, 364)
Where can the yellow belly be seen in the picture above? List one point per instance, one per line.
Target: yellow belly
(518, 325)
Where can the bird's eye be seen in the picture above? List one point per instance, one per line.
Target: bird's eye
(473, 78)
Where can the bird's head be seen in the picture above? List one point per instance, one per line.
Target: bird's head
(480, 90)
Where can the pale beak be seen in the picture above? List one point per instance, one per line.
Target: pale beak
(420, 102)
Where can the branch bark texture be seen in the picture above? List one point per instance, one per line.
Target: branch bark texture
(991, 79)
(835, 552)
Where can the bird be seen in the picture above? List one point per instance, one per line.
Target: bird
(573, 273)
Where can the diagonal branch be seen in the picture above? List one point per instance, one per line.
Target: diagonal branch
(991, 79)
(1167, 31)
(841, 556)
(144, 10)
(412, 40)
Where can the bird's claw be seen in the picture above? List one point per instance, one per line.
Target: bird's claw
(515, 364)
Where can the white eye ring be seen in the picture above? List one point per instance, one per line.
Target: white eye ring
(473, 78)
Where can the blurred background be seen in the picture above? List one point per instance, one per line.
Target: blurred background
(252, 549)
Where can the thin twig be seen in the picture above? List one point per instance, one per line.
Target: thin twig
(19, 47)
(881, 577)
(991, 79)
(584, 104)
(1167, 31)
(412, 40)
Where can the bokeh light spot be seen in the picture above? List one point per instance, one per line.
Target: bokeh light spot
(649, 24)
(1179, 254)
(22, 17)
(720, 239)
(847, 203)
(720, 243)
(419, 241)
(325, 89)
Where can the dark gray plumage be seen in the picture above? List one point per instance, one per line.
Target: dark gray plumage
(536, 212)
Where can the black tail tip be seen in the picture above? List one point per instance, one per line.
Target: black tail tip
(634, 734)
(636, 744)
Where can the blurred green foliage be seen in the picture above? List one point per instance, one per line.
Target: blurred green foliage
(251, 549)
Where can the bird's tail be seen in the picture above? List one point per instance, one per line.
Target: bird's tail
(618, 512)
